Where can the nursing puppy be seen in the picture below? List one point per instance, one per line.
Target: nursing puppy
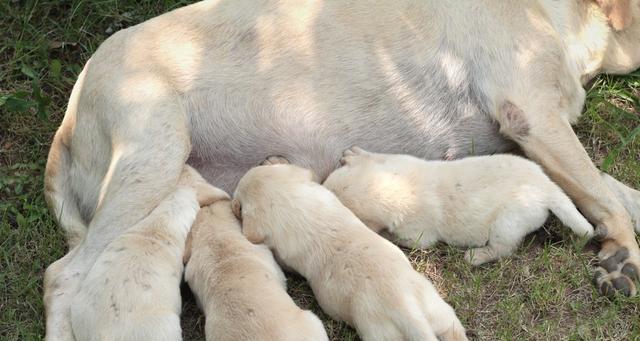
(486, 202)
(132, 292)
(239, 285)
(356, 275)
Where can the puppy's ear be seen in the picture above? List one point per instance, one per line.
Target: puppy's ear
(618, 12)
(252, 233)
(187, 248)
(236, 208)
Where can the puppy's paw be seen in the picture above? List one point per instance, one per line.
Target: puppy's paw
(617, 273)
(275, 160)
(479, 256)
(349, 154)
(206, 193)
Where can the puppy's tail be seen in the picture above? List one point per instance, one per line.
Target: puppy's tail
(566, 211)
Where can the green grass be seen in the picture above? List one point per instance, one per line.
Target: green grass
(542, 292)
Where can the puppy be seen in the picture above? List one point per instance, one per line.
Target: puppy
(356, 275)
(488, 203)
(140, 303)
(239, 285)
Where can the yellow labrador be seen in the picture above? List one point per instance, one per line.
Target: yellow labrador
(222, 84)
(239, 285)
(356, 275)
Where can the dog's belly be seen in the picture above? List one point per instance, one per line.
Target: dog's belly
(227, 142)
(307, 89)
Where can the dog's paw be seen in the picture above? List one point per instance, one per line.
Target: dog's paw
(275, 160)
(349, 154)
(617, 273)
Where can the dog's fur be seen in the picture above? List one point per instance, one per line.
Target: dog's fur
(356, 275)
(486, 202)
(132, 292)
(225, 83)
(239, 286)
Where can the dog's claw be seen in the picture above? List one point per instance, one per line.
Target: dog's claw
(606, 289)
(631, 271)
(623, 285)
(613, 263)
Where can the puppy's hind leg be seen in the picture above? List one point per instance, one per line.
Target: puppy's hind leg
(506, 234)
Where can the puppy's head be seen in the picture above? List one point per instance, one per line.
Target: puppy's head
(257, 190)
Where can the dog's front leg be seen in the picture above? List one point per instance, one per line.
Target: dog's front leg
(550, 141)
(629, 197)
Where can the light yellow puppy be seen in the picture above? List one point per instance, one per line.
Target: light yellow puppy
(133, 290)
(239, 285)
(486, 202)
(356, 275)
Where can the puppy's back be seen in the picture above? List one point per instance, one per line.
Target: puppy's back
(239, 285)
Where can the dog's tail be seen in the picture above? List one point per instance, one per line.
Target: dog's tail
(566, 211)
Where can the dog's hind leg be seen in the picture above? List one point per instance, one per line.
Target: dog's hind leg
(130, 138)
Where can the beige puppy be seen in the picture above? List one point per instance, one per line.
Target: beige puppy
(486, 202)
(132, 292)
(239, 285)
(356, 275)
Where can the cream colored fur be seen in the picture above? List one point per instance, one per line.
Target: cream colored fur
(486, 202)
(240, 287)
(356, 275)
(132, 291)
(222, 84)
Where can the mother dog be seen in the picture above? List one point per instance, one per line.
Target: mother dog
(222, 84)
